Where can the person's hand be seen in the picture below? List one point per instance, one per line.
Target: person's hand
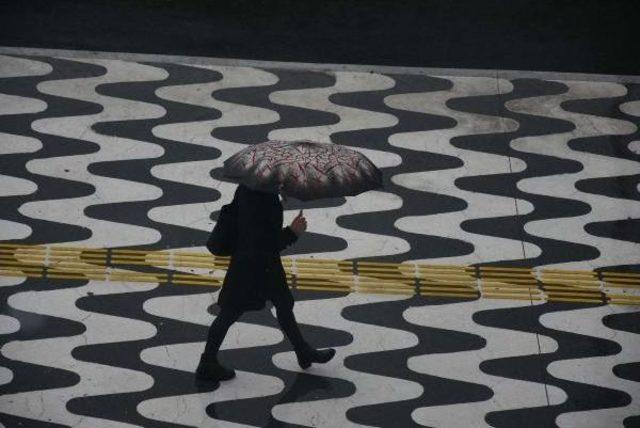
(299, 224)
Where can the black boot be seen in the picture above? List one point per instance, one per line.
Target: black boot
(308, 355)
(305, 353)
(210, 369)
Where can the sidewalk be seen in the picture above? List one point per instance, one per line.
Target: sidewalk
(481, 167)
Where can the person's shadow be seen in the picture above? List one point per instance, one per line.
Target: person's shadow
(205, 385)
(301, 388)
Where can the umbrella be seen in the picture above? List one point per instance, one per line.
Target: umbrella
(306, 169)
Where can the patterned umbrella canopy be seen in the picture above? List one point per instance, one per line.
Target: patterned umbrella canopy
(308, 170)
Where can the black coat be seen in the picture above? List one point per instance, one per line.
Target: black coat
(255, 271)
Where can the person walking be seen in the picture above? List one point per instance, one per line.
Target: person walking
(255, 275)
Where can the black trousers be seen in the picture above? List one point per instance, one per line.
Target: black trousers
(228, 316)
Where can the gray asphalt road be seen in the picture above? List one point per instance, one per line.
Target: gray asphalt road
(573, 36)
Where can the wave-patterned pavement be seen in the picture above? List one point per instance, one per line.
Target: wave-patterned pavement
(191, 409)
(603, 208)
(597, 370)
(475, 163)
(478, 170)
(466, 365)
(72, 211)
(11, 143)
(369, 388)
(57, 352)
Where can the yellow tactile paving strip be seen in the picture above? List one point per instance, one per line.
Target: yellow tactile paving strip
(193, 268)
